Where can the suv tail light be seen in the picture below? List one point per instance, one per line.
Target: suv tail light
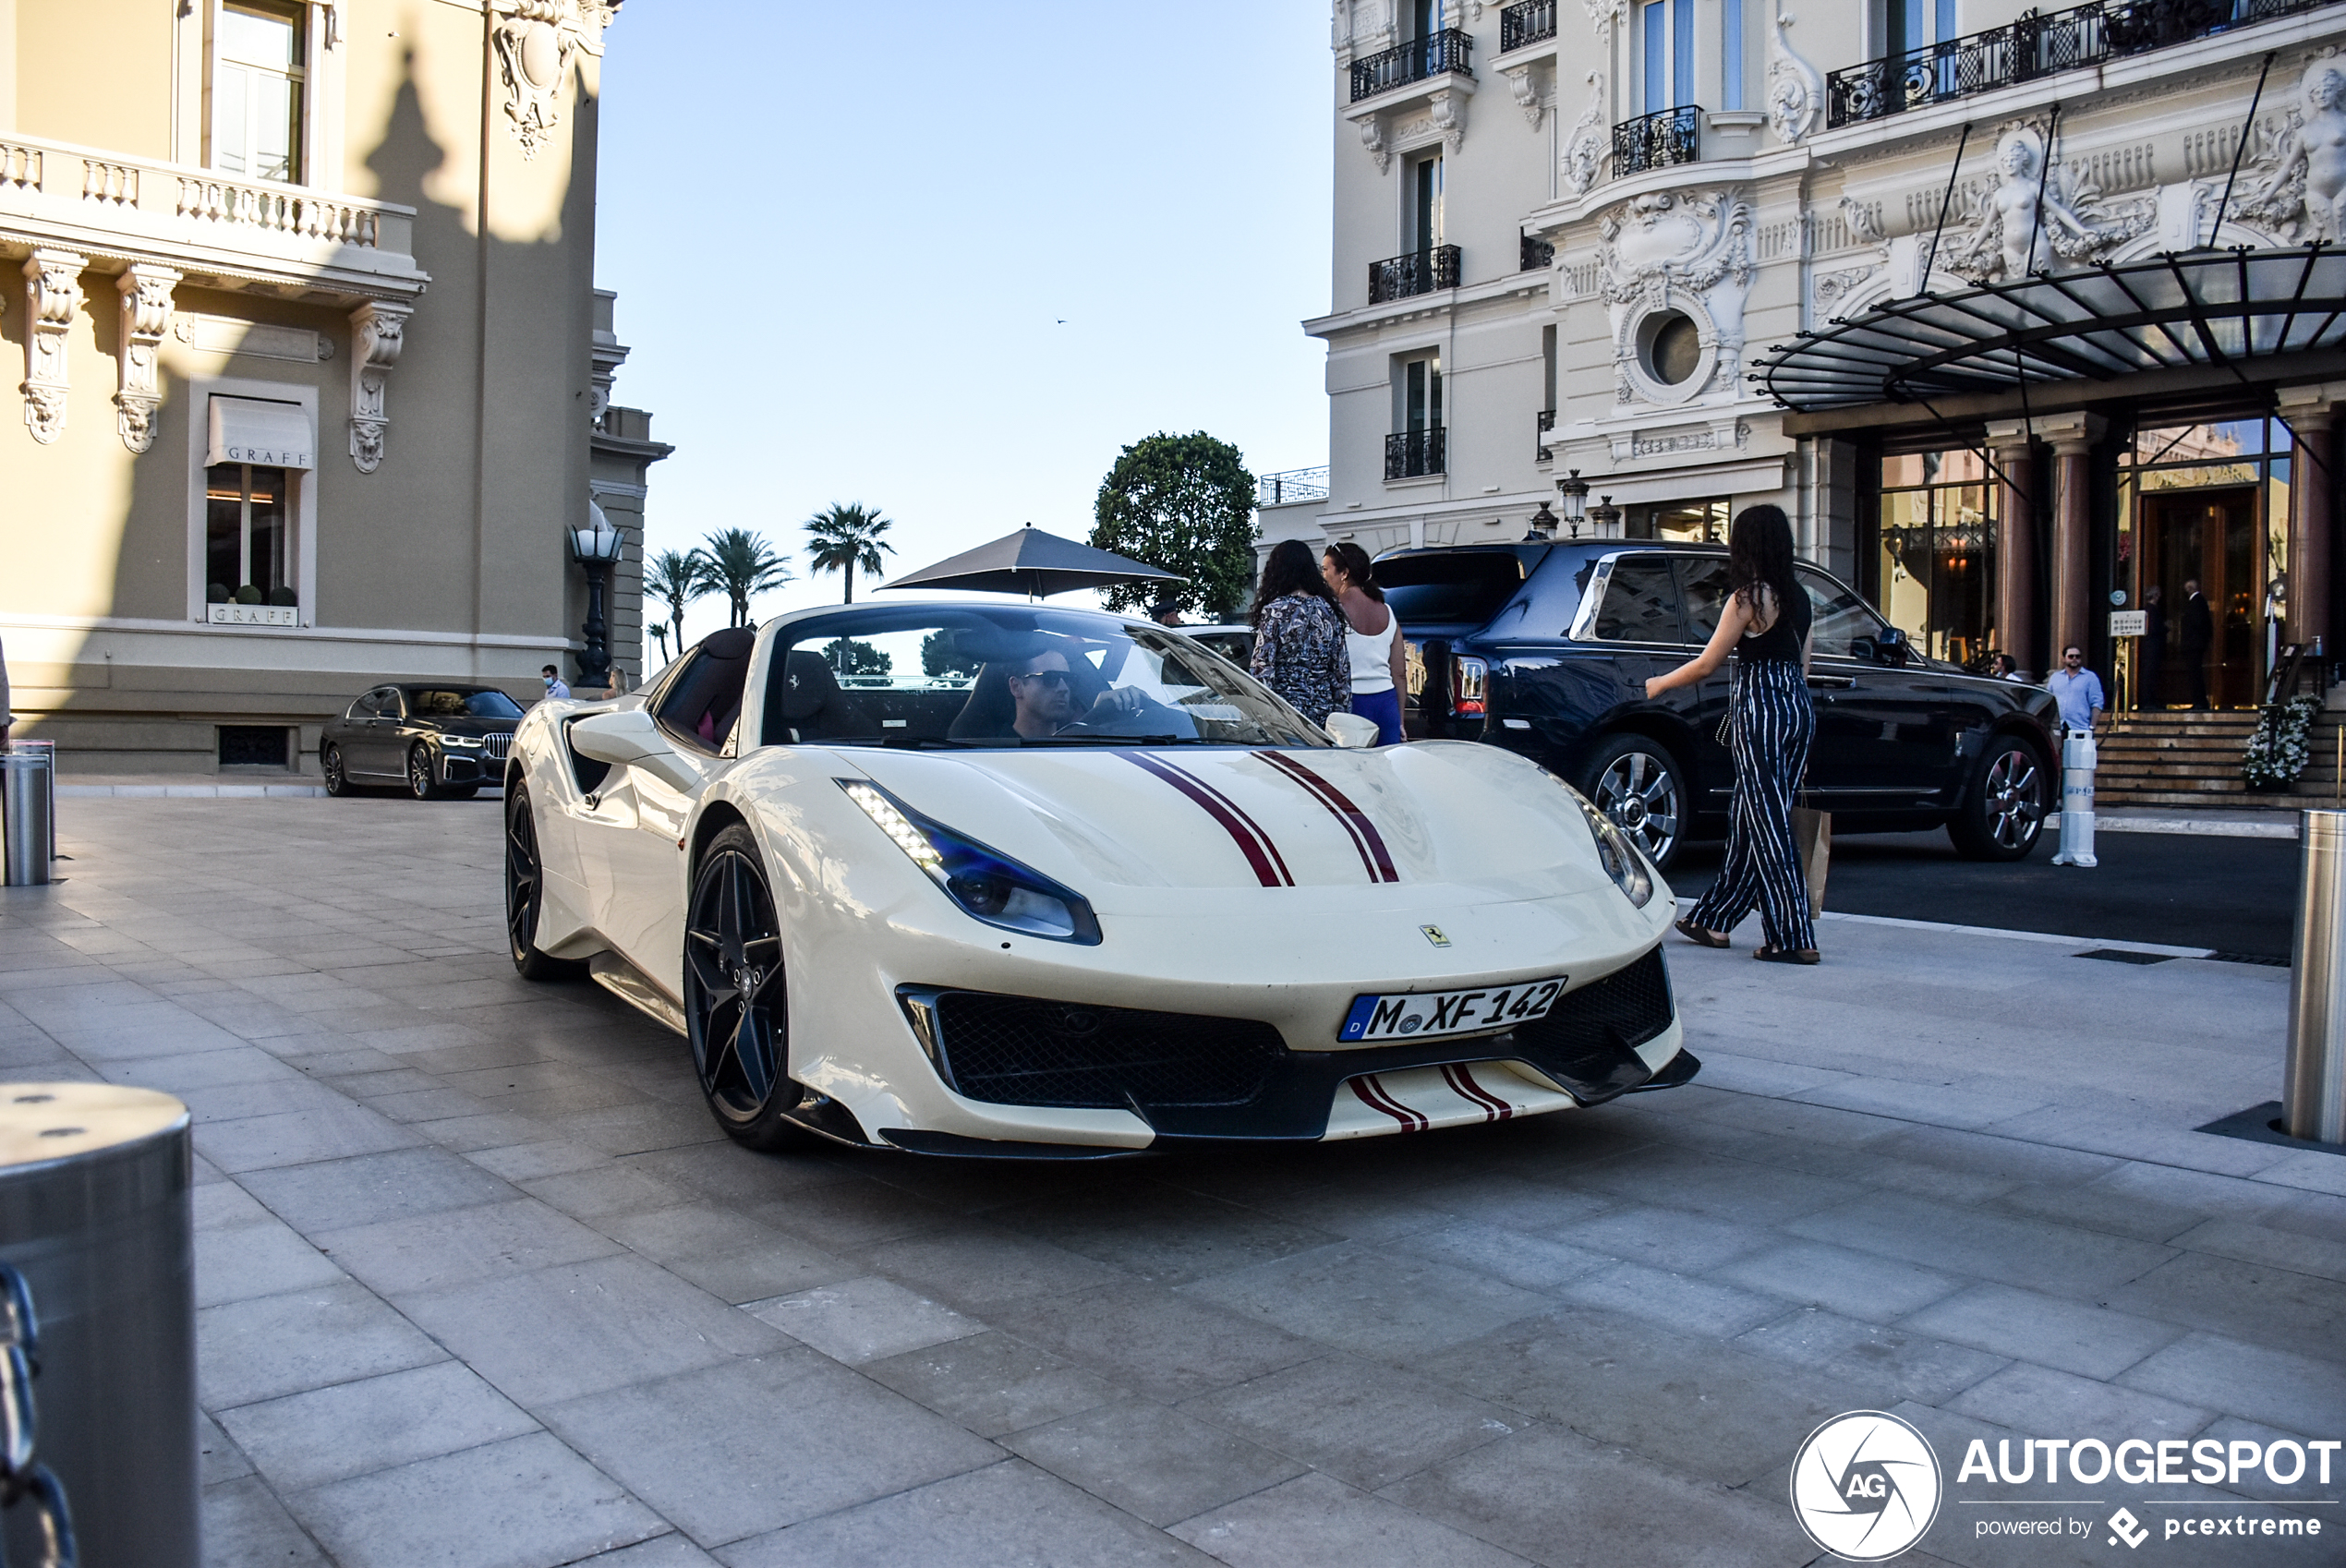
(1469, 679)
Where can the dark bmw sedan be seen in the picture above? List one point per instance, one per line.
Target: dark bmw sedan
(438, 741)
(1545, 648)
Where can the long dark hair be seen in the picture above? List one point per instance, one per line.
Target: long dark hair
(1291, 570)
(1358, 571)
(1760, 553)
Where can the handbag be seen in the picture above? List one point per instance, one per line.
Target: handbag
(1812, 840)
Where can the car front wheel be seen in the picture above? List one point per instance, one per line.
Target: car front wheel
(736, 996)
(1637, 783)
(419, 782)
(526, 896)
(2003, 809)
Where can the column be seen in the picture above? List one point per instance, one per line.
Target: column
(2071, 607)
(2015, 548)
(2312, 527)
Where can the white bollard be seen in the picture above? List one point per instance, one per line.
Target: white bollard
(2077, 800)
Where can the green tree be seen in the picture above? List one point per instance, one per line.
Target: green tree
(845, 536)
(739, 565)
(673, 578)
(852, 655)
(1186, 504)
(940, 660)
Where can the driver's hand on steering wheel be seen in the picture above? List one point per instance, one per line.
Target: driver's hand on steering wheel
(1118, 701)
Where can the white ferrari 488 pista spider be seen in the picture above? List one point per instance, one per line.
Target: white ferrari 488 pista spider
(1004, 879)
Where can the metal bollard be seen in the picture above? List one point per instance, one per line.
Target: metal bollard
(94, 1215)
(2077, 764)
(27, 779)
(2313, 1091)
(47, 749)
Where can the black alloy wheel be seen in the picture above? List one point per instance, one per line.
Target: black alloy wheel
(736, 998)
(2004, 811)
(1637, 783)
(526, 896)
(419, 784)
(329, 764)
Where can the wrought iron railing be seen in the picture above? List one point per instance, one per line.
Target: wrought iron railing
(1657, 140)
(1420, 271)
(1413, 454)
(1437, 54)
(1534, 21)
(1291, 484)
(1547, 423)
(2031, 47)
(1536, 254)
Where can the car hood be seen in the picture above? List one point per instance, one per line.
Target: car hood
(1385, 825)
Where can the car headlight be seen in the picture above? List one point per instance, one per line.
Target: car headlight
(1622, 861)
(461, 740)
(986, 885)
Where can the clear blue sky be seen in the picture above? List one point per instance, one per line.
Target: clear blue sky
(947, 260)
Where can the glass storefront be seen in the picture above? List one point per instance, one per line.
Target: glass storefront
(1934, 575)
(2202, 507)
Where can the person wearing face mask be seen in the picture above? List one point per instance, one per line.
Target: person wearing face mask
(557, 689)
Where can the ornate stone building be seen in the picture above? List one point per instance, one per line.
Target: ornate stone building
(313, 370)
(1955, 284)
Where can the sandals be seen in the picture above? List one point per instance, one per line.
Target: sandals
(1701, 937)
(1774, 955)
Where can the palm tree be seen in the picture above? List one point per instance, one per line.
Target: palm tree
(673, 578)
(847, 537)
(738, 563)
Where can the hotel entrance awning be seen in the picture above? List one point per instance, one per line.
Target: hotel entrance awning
(2167, 313)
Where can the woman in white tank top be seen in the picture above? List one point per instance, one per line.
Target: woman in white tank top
(1372, 639)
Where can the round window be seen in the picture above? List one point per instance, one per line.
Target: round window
(1673, 349)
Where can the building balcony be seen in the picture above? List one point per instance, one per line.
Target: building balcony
(2032, 47)
(1657, 140)
(237, 235)
(1534, 21)
(1420, 271)
(1291, 485)
(1534, 253)
(1415, 454)
(1448, 53)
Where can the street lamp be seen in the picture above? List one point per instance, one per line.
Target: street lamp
(1544, 526)
(1607, 518)
(596, 545)
(1574, 493)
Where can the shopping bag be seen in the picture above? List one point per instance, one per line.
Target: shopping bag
(1812, 839)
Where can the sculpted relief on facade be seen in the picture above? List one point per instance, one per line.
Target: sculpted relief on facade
(1585, 146)
(2032, 215)
(535, 41)
(1795, 92)
(2301, 189)
(1669, 254)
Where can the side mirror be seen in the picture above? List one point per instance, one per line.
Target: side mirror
(1892, 648)
(1351, 730)
(630, 739)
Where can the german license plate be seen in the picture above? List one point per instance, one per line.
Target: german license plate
(1414, 1015)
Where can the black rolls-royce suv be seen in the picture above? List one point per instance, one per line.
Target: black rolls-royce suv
(1545, 648)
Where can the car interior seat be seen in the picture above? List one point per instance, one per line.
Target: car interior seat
(808, 704)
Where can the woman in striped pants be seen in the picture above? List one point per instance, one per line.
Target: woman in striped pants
(1772, 722)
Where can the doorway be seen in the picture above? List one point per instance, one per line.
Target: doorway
(2211, 537)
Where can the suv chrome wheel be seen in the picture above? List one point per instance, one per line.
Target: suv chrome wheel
(1638, 787)
(2003, 811)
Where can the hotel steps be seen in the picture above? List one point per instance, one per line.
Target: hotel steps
(2182, 760)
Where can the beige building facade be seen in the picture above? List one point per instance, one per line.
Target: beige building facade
(311, 374)
(1629, 237)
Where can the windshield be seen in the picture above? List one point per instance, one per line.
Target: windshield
(1467, 586)
(460, 705)
(987, 675)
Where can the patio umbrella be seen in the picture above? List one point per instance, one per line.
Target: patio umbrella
(1032, 562)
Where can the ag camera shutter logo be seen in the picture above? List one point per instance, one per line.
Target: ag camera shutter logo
(1866, 1486)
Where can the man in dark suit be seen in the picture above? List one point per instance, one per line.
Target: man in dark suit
(2193, 638)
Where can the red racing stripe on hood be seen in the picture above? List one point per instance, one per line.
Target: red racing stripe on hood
(1366, 839)
(1262, 854)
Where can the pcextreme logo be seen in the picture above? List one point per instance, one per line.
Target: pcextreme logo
(1865, 1485)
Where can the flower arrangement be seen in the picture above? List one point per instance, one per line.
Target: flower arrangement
(2278, 747)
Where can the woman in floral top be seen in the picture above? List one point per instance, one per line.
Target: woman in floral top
(1299, 635)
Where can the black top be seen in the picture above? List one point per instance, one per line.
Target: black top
(1782, 642)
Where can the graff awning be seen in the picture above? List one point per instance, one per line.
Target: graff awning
(2205, 308)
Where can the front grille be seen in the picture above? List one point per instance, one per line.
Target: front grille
(1025, 1051)
(497, 748)
(1628, 1006)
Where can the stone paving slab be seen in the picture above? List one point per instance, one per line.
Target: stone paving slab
(481, 1281)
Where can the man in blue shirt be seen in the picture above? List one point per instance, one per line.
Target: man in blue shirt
(2076, 691)
(559, 689)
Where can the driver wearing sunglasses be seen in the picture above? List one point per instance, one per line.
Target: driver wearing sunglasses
(1043, 692)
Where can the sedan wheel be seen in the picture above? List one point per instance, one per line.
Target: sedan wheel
(1636, 783)
(2003, 811)
(736, 999)
(419, 782)
(329, 764)
(526, 896)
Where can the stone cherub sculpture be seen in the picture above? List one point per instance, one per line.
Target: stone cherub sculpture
(2028, 217)
(2304, 197)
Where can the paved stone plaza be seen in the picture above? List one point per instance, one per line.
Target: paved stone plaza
(481, 1285)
